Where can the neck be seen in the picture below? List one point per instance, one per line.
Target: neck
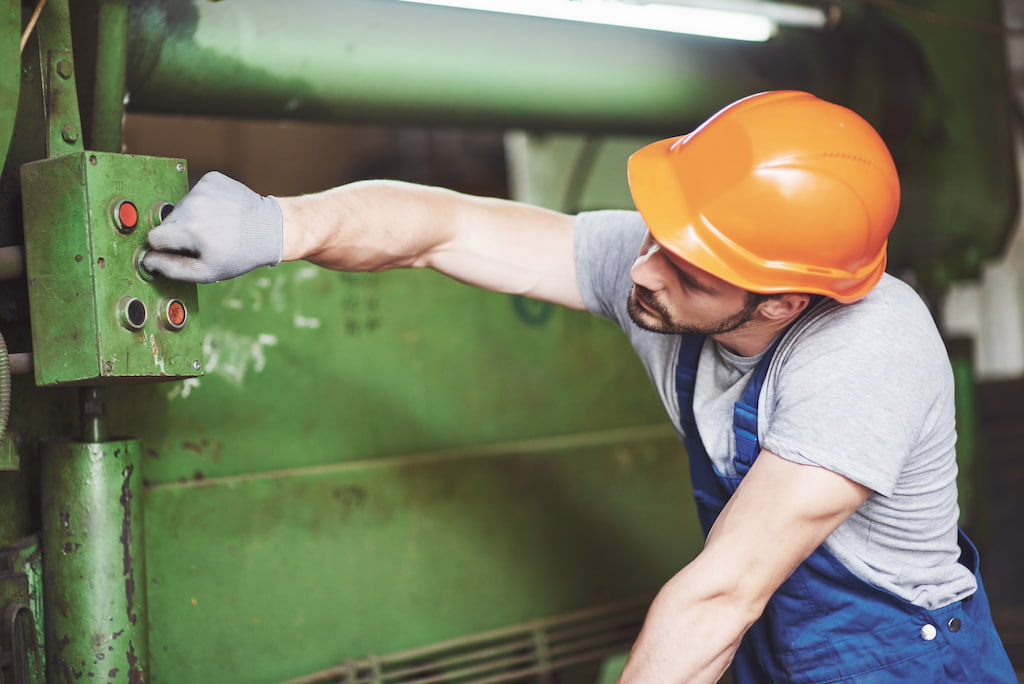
(754, 336)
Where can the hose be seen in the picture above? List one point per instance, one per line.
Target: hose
(31, 24)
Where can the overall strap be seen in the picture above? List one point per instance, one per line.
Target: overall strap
(686, 380)
(707, 487)
(744, 411)
(744, 414)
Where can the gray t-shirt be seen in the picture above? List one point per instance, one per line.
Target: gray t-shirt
(864, 390)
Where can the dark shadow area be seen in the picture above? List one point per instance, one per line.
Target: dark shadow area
(998, 491)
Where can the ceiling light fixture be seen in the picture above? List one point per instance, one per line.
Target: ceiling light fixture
(752, 20)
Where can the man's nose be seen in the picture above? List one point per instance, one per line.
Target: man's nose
(648, 270)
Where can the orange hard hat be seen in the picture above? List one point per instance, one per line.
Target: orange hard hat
(778, 192)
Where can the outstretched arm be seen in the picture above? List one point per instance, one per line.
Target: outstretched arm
(490, 243)
(779, 514)
(222, 230)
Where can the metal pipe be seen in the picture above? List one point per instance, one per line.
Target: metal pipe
(108, 95)
(12, 262)
(93, 562)
(21, 363)
(371, 60)
(93, 417)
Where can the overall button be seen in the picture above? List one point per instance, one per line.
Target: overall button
(928, 632)
(954, 625)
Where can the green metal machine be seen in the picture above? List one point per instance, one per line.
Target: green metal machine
(307, 476)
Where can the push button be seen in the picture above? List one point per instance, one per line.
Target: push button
(928, 632)
(173, 314)
(954, 625)
(126, 216)
(140, 254)
(161, 210)
(132, 313)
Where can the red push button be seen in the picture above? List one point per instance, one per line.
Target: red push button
(176, 314)
(173, 314)
(127, 216)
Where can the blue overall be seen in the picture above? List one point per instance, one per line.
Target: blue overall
(824, 624)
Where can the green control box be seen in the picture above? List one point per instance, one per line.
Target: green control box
(97, 316)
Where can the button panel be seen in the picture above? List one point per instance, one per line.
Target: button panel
(97, 315)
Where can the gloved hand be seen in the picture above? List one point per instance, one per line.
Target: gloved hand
(220, 230)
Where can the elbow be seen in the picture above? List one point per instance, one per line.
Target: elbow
(731, 598)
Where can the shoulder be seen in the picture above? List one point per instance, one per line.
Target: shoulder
(887, 340)
(893, 314)
(605, 244)
(609, 228)
(859, 388)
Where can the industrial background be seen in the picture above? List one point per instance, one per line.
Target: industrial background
(307, 476)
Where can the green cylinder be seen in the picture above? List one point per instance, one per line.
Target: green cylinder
(94, 574)
(111, 53)
(372, 61)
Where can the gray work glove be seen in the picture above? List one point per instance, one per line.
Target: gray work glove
(220, 230)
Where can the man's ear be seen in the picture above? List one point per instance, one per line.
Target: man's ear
(783, 306)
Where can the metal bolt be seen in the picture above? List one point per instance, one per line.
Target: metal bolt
(65, 69)
(70, 133)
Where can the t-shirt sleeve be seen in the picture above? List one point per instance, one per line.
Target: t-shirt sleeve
(859, 400)
(606, 244)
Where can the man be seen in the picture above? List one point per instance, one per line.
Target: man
(812, 390)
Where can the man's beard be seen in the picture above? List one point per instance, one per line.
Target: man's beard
(667, 326)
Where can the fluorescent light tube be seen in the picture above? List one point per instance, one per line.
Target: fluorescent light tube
(671, 18)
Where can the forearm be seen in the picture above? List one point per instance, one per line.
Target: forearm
(379, 225)
(692, 630)
(368, 225)
(780, 513)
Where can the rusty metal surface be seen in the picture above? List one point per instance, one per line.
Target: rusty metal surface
(94, 568)
(263, 578)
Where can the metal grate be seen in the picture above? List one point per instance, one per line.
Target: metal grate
(513, 654)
